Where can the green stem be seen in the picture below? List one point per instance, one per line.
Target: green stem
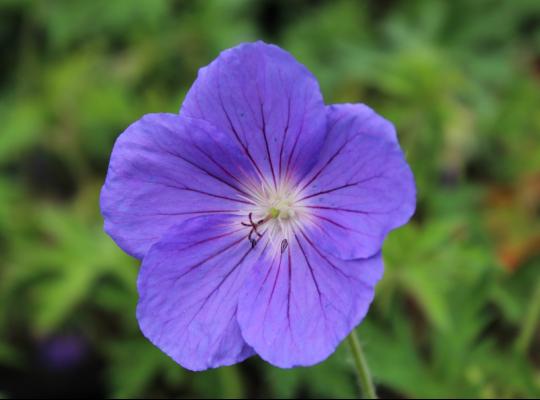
(231, 382)
(362, 370)
(530, 321)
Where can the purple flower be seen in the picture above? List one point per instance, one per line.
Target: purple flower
(63, 351)
(258, 211)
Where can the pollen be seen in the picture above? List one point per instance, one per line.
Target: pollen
(282, 210)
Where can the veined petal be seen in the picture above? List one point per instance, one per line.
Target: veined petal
(268, 103)
(188, 286)
(361, 120)
(361, 187)
(165, 169)
(297, 307)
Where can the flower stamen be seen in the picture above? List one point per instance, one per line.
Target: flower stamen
(281, 214)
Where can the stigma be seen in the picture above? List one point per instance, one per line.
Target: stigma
(276, 214)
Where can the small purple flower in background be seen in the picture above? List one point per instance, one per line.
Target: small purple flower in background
(258, 211)
(63, 351)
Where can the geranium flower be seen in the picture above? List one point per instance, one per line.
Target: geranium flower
(259, 213)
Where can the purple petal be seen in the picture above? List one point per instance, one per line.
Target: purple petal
(362, 120)
(295, 309)
(267, 102)
(361, 187)
(165, 169)
(188, 286)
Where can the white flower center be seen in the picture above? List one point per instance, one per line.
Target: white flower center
(277, 213)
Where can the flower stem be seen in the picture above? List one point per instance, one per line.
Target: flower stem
(231, 381)
(530, 322)
(362, 370)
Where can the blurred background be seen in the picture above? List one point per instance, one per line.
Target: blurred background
(457, 313)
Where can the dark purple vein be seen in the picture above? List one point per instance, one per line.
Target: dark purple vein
(266, 143)
(300, 129)
(227, 275)
(341, 187)
(328, 191)
(231, 125)
(311, 272)
(323, 256)
(179, 213)
(289, 292)
(328, 162)
(134, 166)
(219, 179)
(205, 260)
(363, 212)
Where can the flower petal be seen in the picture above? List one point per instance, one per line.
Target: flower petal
(361, 187)
(296, 308)
(267, 102)
(165, 169)
(362, 120)
(188, 286)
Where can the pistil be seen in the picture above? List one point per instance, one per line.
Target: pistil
(254, 226)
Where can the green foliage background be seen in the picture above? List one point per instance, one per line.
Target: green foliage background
(457, 312)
